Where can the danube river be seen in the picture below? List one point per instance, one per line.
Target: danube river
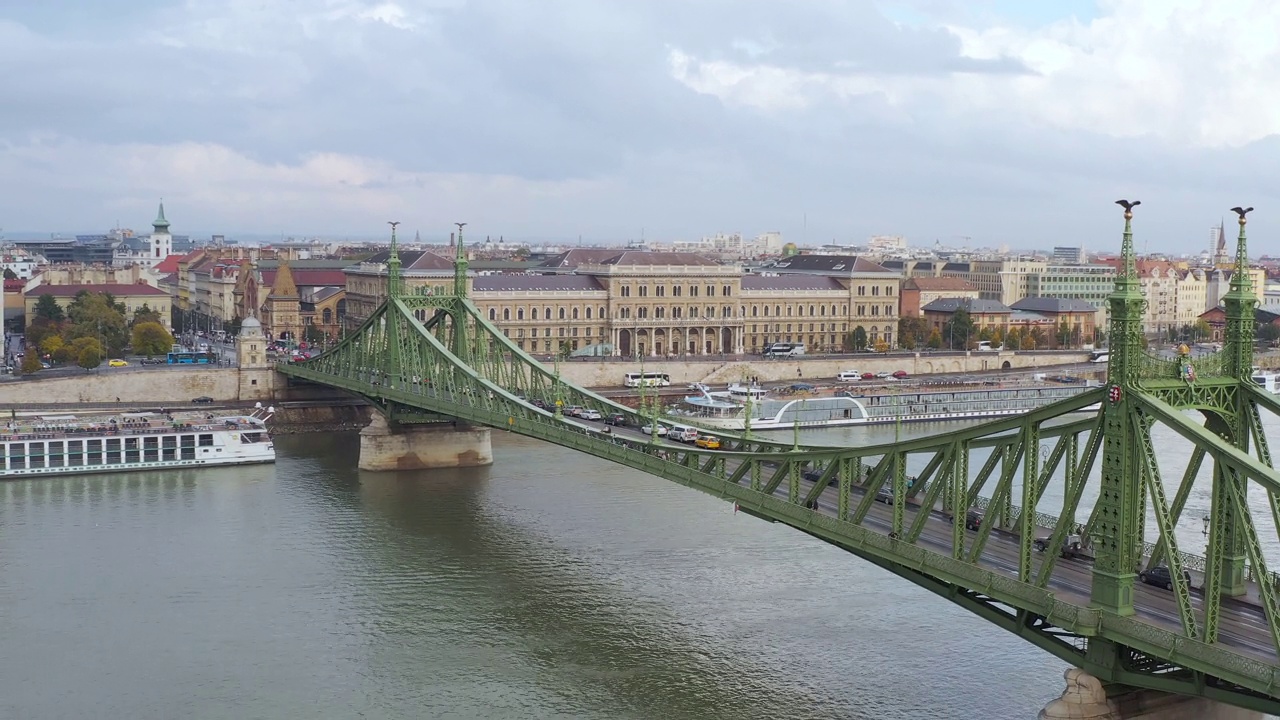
(551, 585)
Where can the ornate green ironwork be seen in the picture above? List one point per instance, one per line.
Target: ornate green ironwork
(436, 354)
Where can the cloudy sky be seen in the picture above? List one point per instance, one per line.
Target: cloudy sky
(970, 122)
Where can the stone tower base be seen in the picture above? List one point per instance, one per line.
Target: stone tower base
(420, 447)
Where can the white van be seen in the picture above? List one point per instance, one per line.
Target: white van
(849, 376)
(683, 433)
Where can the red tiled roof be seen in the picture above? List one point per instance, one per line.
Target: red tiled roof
(116, 289)
(302, 277)
(14, 285)
(170, 264)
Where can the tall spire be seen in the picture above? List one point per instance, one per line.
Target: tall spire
(160, 224)
(1127, 306)
(460, 266)
(393, 265)
(1239, 303)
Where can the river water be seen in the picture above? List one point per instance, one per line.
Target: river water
(551, 585)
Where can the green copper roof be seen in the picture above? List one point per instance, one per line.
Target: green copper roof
(160, 223)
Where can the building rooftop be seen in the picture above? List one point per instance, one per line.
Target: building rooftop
(640, 257)
(419, 260)
(755, 281)
(974, 306)
(570, 259)
(830, 264)
(507, 282)
(1053, 305)
(116, 289)
(938, 284)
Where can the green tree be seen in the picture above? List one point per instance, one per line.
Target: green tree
(958, 331)
(984, 333)
(1064, 333)
(233, 327)
(30, 364)
(48, 309)
(89, 358)
(1269, 333)
(96, 315)
(997, 336)
(9, 274)
(1036, 339)
(935, 339)
(51, 344)
(859, 338)
(40, 330)
(1201, 330)
(906, 333)
(150, 338)
(313, 335)
(145, 314)
(1013, 340)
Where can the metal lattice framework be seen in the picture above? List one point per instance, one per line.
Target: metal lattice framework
(957, 514)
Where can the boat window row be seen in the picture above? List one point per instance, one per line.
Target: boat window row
(103, 451)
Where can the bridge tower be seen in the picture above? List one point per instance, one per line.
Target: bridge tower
(398, 437)
(1121, 498)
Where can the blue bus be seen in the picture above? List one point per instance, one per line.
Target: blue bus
(192, 358)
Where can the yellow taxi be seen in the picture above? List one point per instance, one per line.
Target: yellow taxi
(709, 442)
(117, 363)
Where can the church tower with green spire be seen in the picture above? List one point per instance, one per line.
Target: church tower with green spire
(161, 242)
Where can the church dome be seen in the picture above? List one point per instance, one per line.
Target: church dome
(249, 322)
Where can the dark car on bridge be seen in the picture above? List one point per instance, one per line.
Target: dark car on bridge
(617, 419)
(1161, 577)
(884, 495)
(973, 519)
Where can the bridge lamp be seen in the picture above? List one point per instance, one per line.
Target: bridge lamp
(1205, 531)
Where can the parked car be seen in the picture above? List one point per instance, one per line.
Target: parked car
(698, 387)
(203, 400)
(708, 442)
(616, 419)
(590, 414)
(1161, 577)
(152, 361)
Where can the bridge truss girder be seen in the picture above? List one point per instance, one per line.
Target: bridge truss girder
(436, 356)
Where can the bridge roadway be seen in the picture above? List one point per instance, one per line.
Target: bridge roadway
(1242, 626)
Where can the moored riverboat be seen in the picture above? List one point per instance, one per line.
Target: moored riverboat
(915, 404)
(40, 445)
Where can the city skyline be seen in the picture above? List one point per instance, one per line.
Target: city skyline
(979, 124)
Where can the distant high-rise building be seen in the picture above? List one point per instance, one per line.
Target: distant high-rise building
(1063, 255)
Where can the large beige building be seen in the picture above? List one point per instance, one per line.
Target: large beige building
(633, 303)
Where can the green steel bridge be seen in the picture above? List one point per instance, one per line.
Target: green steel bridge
(1213, 633)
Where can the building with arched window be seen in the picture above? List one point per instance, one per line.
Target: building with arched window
(633, 303)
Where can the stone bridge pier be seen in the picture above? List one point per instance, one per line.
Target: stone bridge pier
(421, 446)
(1086, 699)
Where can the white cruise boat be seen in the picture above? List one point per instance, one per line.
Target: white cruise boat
(44, 445)
(916, 404)
(1267, 380)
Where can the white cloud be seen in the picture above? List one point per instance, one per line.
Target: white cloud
(209, 186)
(1183, 71)
(679, 116)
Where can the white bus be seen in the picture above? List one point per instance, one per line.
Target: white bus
(635, 379)
(1099, 356)
(784, 349)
